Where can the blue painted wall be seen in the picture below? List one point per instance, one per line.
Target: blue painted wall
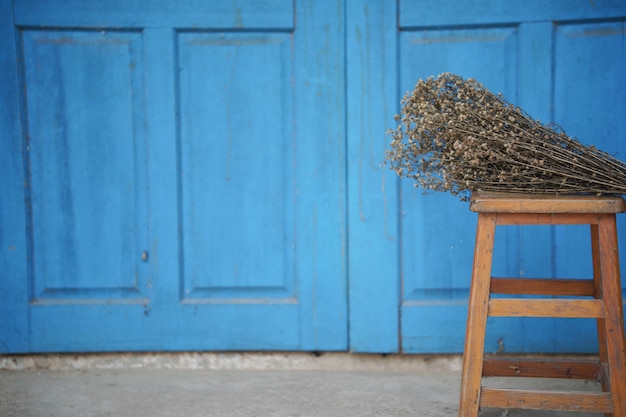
(207, 174)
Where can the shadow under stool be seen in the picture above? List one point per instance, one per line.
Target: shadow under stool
(599, 298)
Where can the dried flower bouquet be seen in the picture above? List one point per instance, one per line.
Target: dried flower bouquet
(456, 136)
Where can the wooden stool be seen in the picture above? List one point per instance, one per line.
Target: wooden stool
(605, 305)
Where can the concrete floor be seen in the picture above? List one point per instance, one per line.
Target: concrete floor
(237, 385)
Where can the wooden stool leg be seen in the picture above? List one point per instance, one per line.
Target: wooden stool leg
(611, 290)
(597, 280)
(477, 316)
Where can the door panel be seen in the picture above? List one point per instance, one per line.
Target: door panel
(438, 230)
(592, 111)
(184, 172)
(236, 150)
(86, 153)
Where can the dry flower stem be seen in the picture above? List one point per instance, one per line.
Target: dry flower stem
(456, 136)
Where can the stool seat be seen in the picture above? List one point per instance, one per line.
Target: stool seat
(599, 298)
(493, 202)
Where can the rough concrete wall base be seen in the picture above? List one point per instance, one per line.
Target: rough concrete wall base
(232, 361)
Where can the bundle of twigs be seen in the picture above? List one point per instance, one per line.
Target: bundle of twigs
(456, 136)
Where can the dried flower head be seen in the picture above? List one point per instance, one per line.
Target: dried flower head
(454, 135)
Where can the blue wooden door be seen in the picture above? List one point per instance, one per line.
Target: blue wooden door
(207, 174)
(562, 62)
(173, 175)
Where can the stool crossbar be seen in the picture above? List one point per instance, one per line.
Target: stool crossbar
(603, 303)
